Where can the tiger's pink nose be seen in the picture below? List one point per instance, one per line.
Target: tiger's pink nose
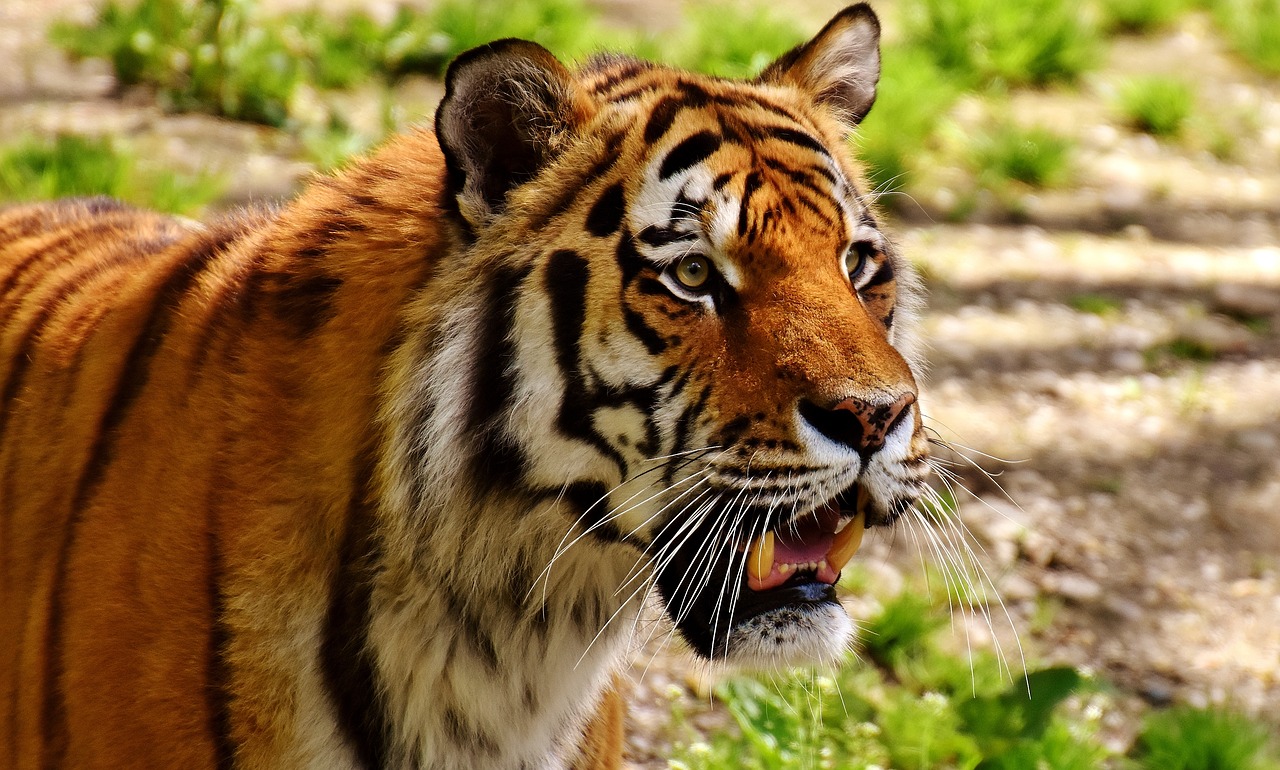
(860, 425)
(876, 420)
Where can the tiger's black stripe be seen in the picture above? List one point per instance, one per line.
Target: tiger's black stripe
(47, 253)
(134, 375)
(305, 302)
(689, 152)
(662, 116)
(653, 342)
(567, 274)
(683, 425)
(347, 666)
(217, 694)
(498, 457)
(605, 216)
(882, 276)
(797, 138)
(23, 356)
(568, 195)
(749, 188)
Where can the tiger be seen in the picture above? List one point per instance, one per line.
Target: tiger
(383, 476)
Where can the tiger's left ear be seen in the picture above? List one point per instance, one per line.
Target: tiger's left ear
(840, 66)
(509, 109)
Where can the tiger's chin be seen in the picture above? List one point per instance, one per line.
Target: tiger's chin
(795, 634)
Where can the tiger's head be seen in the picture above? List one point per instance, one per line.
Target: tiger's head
(690, 326)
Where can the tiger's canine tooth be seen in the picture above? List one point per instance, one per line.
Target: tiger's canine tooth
(760, 558)
(846, 542)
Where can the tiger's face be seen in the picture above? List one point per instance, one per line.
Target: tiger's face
(711, 367)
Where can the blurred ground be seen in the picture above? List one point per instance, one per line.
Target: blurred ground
(1118, 349)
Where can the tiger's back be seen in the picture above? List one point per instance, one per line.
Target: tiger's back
(59, 350)
(174, 395)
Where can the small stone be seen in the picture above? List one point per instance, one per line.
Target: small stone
(1247, 299)
(1016, 588)
(1128, 361)
(1247, 587)
(1157, 692)
(1073, 587)
(1038, 549)
(1125, 608)
(1217, 334)
(1262, 443)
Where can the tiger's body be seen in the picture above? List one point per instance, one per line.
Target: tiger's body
(381, 478)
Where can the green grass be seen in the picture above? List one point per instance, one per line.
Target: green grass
(758, 37)
(1139, 17)
(1156, 105)
(912, 705)
(1035, 157)
(1185, 738)
(567, 27)
(1180, 349)
(68, 165)
(229, 58)
(913, 97)
(1096, 304)
(1253, 29)
(1034, 42)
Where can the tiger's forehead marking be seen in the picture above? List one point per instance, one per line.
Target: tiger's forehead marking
(735, 176)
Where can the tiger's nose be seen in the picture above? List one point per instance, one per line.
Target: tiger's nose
(857, 424)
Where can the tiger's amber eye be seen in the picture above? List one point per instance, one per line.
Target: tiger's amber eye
(855, 259)
(693, 271)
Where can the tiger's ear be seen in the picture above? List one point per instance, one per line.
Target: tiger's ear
(509, 108)
(840, 66)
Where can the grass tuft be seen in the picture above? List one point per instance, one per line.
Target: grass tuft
(1035, 42)
(1159, 106)
(759, 36)
(1140, 17)
(69, 166)
(1035, 157)
(1096, 304)
(1253, 29)
(913, 95)
(1185, 738)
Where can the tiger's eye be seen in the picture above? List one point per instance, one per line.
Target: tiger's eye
(693, 271)
(855, 259)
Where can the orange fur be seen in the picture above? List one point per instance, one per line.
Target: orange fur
(155, 451)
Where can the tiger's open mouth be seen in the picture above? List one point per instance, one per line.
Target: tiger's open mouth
(774, 579)
(816, 546)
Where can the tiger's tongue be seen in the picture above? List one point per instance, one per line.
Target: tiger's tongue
(805, 542)
(809, 544)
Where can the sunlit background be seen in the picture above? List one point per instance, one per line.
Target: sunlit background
(1092, 193)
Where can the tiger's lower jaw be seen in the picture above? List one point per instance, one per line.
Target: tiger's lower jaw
(798, 624)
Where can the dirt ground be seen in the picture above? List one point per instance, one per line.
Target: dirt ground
(1133, 522)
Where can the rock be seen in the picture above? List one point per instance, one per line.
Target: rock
(1247, 299)
(1038, 549)
(1217, 334)
(1157, 692)
(1073, 587)
(1016, 588)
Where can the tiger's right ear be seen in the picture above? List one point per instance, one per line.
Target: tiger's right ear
(509, 108)
(840, 66)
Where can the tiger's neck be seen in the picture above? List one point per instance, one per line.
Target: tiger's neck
(490, 642)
